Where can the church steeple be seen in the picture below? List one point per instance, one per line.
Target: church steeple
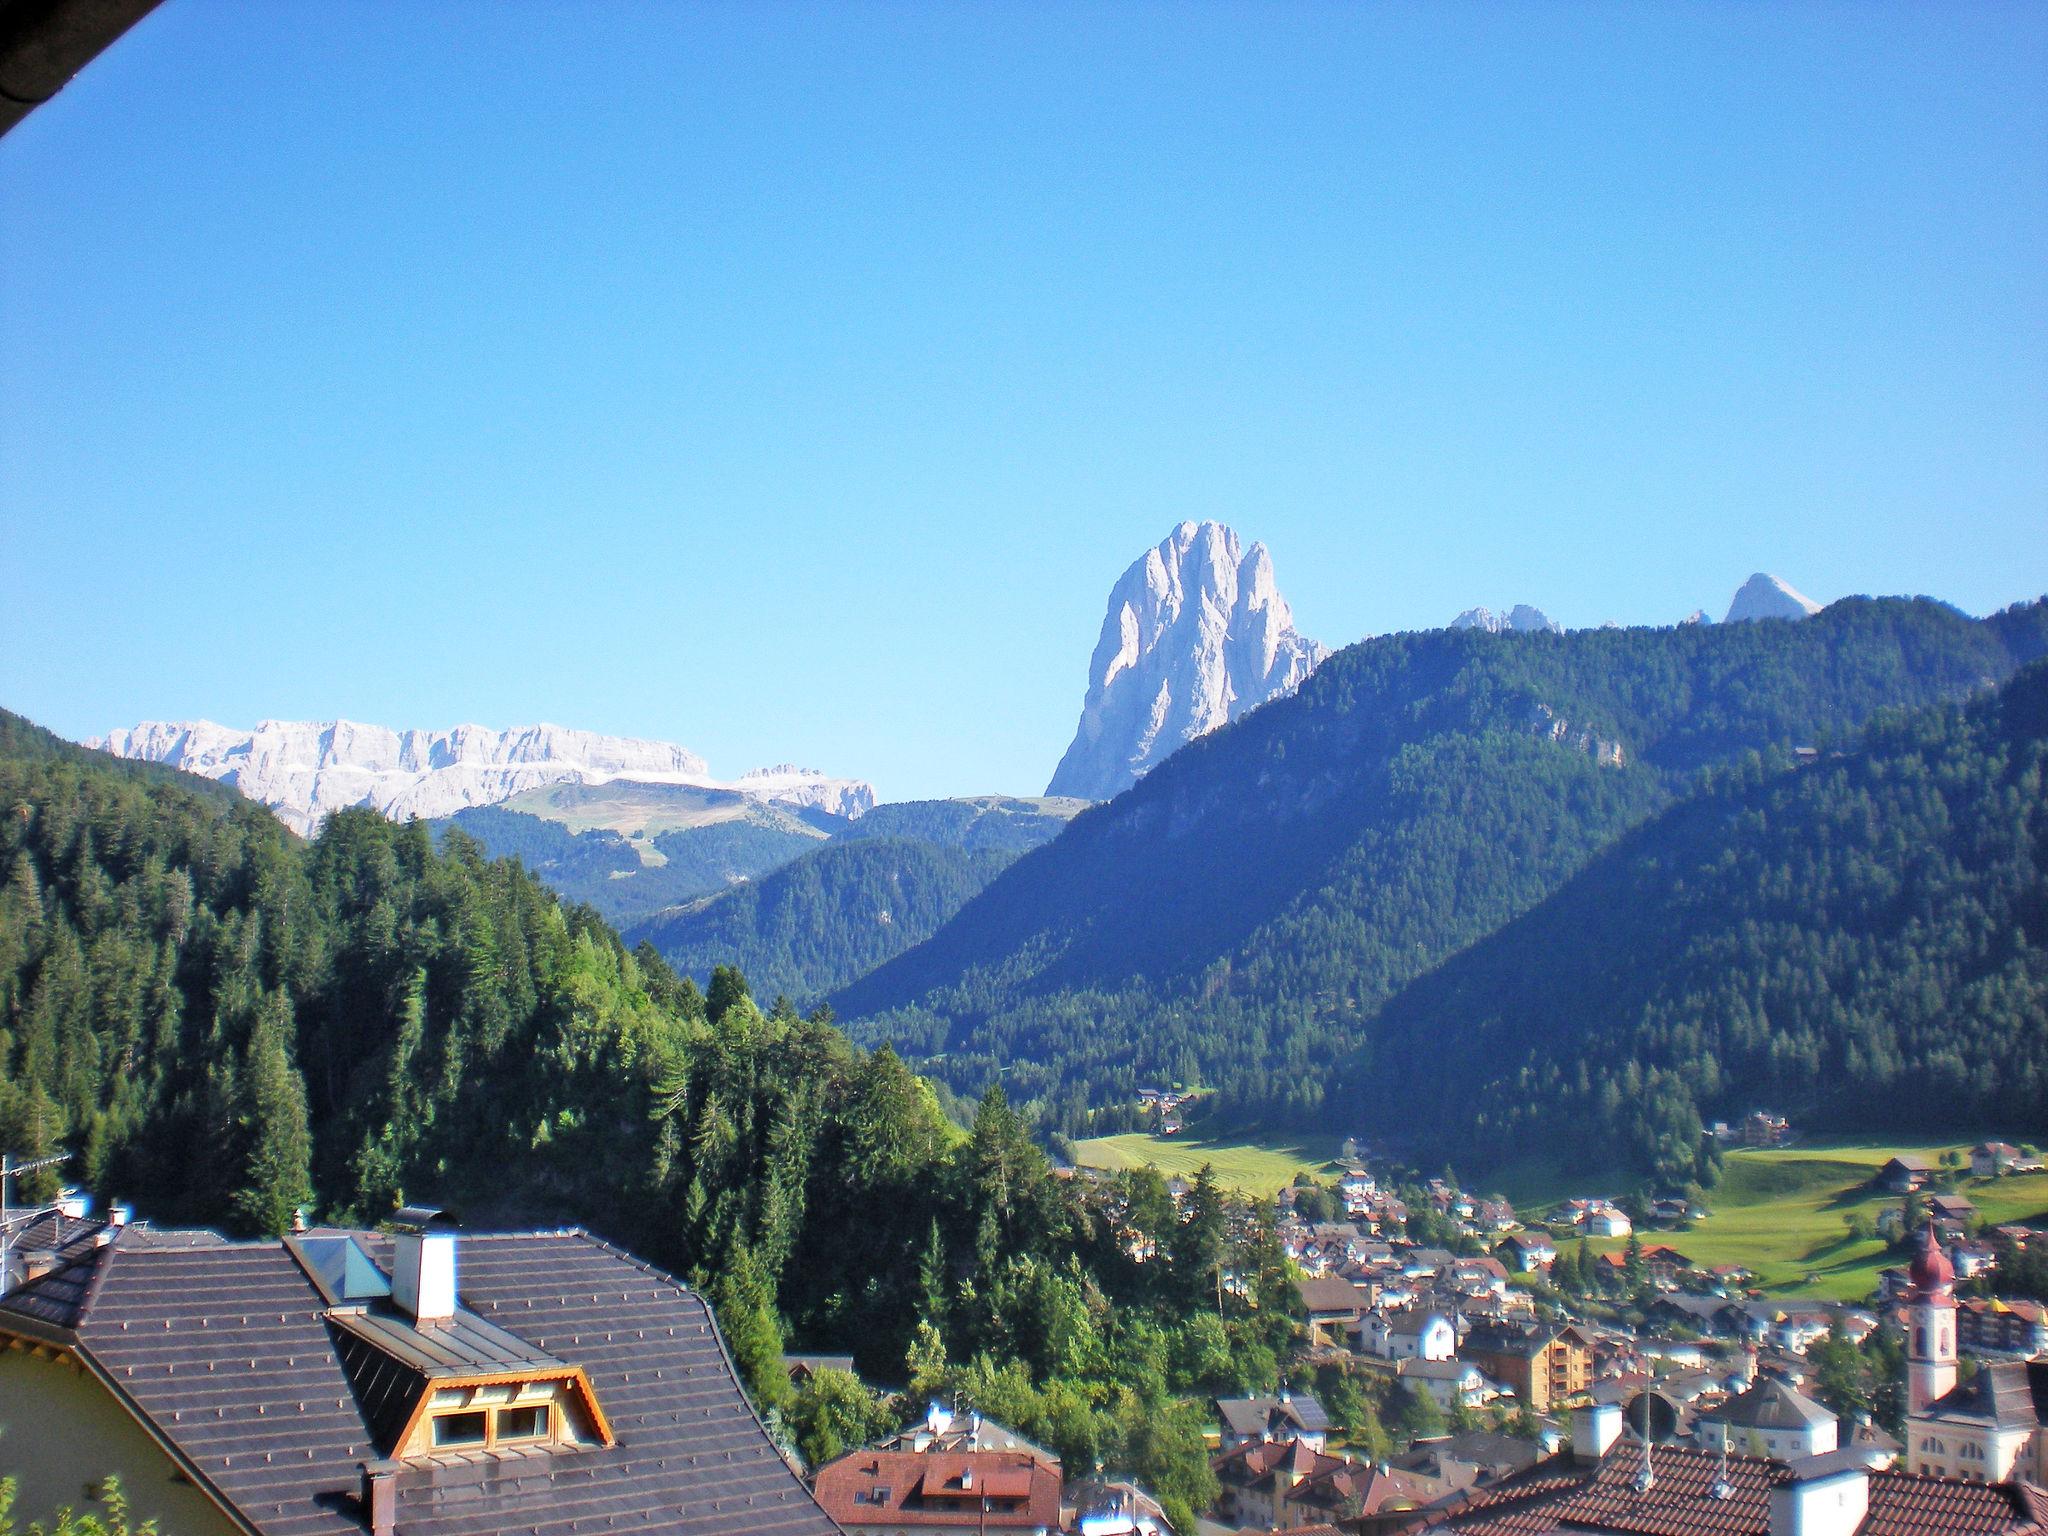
(1930, 1325)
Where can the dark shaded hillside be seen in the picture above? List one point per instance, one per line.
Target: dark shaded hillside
(1004, 823)
(1239, 915)
(1861, 942)
(820, 921)
(26, 742)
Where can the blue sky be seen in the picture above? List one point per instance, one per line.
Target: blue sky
(792, 381)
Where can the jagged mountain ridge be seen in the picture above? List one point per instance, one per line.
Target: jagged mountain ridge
(1520, 619)
(303, 770)
(1196, 634)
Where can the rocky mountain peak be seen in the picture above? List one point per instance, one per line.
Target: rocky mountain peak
(1765, 596)
(1196, 633)
(1520, 619)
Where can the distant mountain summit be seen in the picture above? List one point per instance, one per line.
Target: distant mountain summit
(1196, 634)
(1520, 619)
(303, 770)
(1764, 596)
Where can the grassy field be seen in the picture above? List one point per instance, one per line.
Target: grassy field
(1780, 1213)
(1255, 1167)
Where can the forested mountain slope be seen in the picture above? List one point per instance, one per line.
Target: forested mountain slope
(1239, 915)
(221, 1023)
(826, 918)
(1861, 942)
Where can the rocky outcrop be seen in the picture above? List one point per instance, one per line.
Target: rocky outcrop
(1520, 619)
(1196, 634)
(1764, 596)
(304, 769)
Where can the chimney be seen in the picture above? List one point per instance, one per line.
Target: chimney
(380, 1496)
(423, 1265)
(1595, 1428)
(1825, 1496)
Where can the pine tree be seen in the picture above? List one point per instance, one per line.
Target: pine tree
(280, 1157)
(746, 1316)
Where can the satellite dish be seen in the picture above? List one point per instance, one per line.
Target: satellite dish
(1651, 1417)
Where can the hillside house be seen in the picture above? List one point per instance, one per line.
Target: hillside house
(1666, 1265)
(1292, 1416)
(1528, 1252)
(1952, 1214)
(1761, 1128)
(1903, 1174)
(1452, 1383)
(1989, 1159)
(1494, 1214)
(1608, 1221)
(1334, 1307)
(1416, 1334)
(338, 1382)
(802, 1368)
(1770, 1419)
(1257, 1476)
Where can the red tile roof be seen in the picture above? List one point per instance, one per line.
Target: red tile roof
(1681, 1502)
(913, 1488)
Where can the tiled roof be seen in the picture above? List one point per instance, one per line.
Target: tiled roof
(2011, 1394)
(1770, 1405)
(1681, 1501)
(916, 1488)
(1329, 1294)
(1252, 1415)
(227, 1350)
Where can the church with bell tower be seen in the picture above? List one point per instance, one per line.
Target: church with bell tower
(1991, 1428)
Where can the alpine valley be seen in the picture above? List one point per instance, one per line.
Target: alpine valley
(1440, 887)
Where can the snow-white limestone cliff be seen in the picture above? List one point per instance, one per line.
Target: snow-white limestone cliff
(1764, 596)
(1520, 619)
(1196, 634)
(304, 769)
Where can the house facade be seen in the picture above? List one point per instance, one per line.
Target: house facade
(1544, 1365)
(1770, 1419)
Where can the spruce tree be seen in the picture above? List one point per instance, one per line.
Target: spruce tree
(280, 1156)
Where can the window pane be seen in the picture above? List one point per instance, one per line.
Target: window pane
(459, 1429)
(523, 1423)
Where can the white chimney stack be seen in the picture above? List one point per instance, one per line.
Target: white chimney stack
(423, 1267)
(1595, 1428)
(1826, 1496)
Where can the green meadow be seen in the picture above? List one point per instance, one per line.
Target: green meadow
(1256, 1167)
(1780, 1213)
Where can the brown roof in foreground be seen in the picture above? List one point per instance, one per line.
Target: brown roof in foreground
(227, 1351)
(1681, 1503)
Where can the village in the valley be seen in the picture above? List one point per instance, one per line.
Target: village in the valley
(1528, 1370)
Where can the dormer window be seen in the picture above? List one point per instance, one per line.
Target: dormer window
(500, 1416)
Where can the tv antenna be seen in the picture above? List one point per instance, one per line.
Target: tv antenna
(12, 1220)
(1653, 1419)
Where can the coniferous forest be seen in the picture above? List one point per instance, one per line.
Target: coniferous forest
(224, 1024)
(1242, 917)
